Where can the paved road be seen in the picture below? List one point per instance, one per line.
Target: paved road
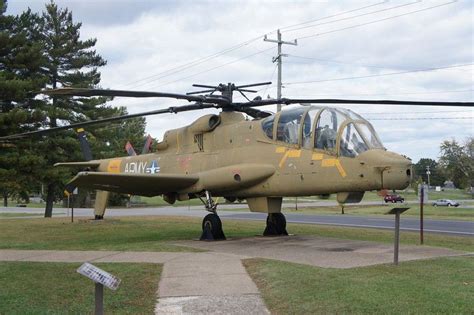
(465, 228)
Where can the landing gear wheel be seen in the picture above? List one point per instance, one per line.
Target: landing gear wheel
(276, 225)
(212, 228)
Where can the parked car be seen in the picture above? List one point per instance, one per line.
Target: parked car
(446, 202)
(393, 198)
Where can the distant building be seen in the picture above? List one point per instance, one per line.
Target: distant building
(449, 184)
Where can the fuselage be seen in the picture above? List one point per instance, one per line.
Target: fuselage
(305, 155)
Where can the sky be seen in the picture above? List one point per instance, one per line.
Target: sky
(346, 49)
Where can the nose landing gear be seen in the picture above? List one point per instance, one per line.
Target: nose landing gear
(211, 224)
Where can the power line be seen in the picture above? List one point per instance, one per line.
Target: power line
(217, 67)
(422, 118)
(380, 75)
(189, 65)
(353, 17)
(186, 66)
(381, 94)
(334, 15)
(376, 21)
(343, 63)
(415, 113)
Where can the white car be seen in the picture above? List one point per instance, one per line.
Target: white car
(446, 202)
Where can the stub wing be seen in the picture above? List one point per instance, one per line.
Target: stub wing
(134, 184)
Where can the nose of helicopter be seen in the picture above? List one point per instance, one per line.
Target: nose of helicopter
(395, 169)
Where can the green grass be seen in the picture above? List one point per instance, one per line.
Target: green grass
(429, 212)
(437, 286)
(56, 288)
(144, 234)
(157, 233)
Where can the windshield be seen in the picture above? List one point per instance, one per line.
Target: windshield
(314, 127)
(370, 135)
(351, 143)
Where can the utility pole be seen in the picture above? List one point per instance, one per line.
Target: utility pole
(278, 59)
(428, 172)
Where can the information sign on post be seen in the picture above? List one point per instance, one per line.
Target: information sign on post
(396, 241)
(101, 278)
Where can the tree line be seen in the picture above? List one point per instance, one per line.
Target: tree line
(39, 51)
(456, 164)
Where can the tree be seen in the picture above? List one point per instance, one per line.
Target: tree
(46, 51)
(437, 177)
(457, 162)
(70, 62)
(20, 71)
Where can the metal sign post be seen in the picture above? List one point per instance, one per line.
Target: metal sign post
(101, 278)
(396, 241)
(74, 192)
(423, 196)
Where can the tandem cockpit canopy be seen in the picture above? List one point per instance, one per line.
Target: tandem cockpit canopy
(339, 131)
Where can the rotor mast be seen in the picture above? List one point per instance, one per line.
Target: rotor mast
(278, 59)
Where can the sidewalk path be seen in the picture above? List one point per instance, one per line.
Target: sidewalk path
(191, 283)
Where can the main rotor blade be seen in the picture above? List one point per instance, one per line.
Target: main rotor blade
(206, 86)
(124, 93)
(255, 113)
(175, 110)
(254, 84)
(245, 90)
(199, 92)
(288, 101)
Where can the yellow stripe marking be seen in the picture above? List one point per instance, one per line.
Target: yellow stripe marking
(317, 156)
(283, 159)
(334, 163)
(340, 169)
(294, 153)
(114, 166)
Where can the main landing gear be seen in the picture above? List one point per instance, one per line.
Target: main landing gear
(211, 224)
(276, 225)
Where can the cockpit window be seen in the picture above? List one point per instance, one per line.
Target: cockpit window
(308, 124)
(351, 143)
(289, 125)
(267, 126)
(370, 135)
(326, 131)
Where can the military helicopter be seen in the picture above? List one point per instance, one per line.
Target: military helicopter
(306, 150)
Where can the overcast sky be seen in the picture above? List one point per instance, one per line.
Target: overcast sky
(146, 44)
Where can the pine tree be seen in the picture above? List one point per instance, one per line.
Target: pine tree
(20, 71)
(70, 62)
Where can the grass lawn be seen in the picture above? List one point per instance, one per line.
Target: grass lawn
(56, 288)
(437, 286)
(156, 233)
(429, 212)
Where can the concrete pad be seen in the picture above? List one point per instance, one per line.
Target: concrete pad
(320, 251)
(18, 255)
(183, 269)
(204, 305)
(70, 256)
(141, 257)
(234, 284)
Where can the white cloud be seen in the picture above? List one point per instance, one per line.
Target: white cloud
(141, 39)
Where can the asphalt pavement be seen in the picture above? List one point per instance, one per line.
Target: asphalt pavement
(453, 227)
